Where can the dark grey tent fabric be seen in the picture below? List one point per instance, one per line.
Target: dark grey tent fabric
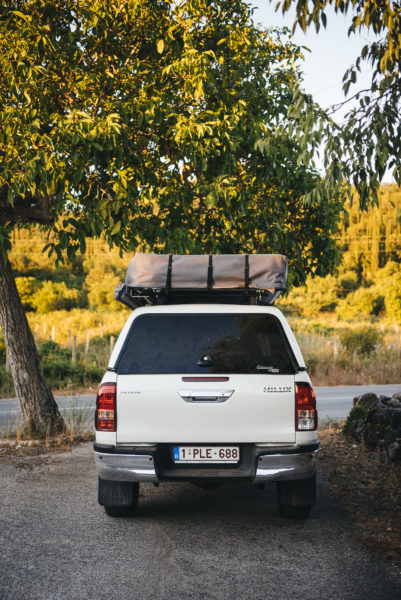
(266, 271)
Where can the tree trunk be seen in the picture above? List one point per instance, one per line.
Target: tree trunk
(38, 407)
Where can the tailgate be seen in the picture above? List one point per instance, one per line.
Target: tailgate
(246, 408)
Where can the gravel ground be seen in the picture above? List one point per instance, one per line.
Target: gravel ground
(57, 543)
(368, 489)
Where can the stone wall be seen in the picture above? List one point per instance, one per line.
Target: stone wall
(376, 421)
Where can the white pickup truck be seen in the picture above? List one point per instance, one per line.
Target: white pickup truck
(206, 393)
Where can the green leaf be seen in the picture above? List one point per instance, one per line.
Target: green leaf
(116, 228)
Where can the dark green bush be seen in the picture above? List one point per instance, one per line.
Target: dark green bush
(357, 415)
(6, 382)
(363, 340)
(2, 351)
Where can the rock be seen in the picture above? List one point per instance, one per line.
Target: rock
(396, 418)
(384, 401)
(366, 401)
(394, 452)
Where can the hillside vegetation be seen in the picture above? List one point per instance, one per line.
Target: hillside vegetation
(348, 324)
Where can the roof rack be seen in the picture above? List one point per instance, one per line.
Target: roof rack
(186, 279)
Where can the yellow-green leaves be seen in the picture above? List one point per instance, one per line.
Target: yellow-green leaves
(154, 126)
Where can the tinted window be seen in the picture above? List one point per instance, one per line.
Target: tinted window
(206, 344)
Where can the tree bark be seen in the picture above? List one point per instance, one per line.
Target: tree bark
(38, 407)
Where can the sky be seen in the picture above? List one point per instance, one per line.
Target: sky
(332, 52)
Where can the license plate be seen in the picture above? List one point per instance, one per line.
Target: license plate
(206, 454)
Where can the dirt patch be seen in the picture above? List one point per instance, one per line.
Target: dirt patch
(34, 447)
(368, 489)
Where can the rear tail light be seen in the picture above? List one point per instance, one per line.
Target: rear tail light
(305, 407)
(105, 415)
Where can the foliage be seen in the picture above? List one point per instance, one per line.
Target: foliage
(318, 295)
(357, 414)
(367, 282)
(393, 298)
(364, 301)
(149, 122)
(362, 340)
(27, 287)
(368, 143)
(6, 382)
(103, 274)
(54, 296)
(61, 372)
(370, 239)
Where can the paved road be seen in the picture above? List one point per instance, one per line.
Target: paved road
(334, 403)
(56, 543)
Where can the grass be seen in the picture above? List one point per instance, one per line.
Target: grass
(321, 339)
(339, 353)
(78, 428)
(79, 322)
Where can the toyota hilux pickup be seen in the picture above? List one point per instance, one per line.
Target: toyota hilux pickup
(206, 393)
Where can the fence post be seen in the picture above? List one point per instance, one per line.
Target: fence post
(111, 344)
(53, 333)
(74, 349)
(335, 346)
(88, 337)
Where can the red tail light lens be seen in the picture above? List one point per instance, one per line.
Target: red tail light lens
(105, 415)
(305, 408)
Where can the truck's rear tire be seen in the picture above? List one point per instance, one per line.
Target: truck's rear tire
(294, 512)
(295, 498)
(120, 511)
(119, 498)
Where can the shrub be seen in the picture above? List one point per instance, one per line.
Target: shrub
(365, 301)
(319, 295)
(391, 268)
(348, 282)
(392, 300)
(2, 351)
(27, 288)
(103, 275)
(363, 340)
(6, 381)
(357, 415)
(101, 293)
(55, 296)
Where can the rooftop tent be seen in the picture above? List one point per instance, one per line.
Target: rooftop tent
(226, 278)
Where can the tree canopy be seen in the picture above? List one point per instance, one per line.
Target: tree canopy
(367, 143)
(148, 123)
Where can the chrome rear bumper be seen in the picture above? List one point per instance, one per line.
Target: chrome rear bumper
(286, 467)
(125, 467)
(269, 467)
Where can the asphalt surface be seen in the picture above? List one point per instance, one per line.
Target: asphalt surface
(334, 403)
(56, 543)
